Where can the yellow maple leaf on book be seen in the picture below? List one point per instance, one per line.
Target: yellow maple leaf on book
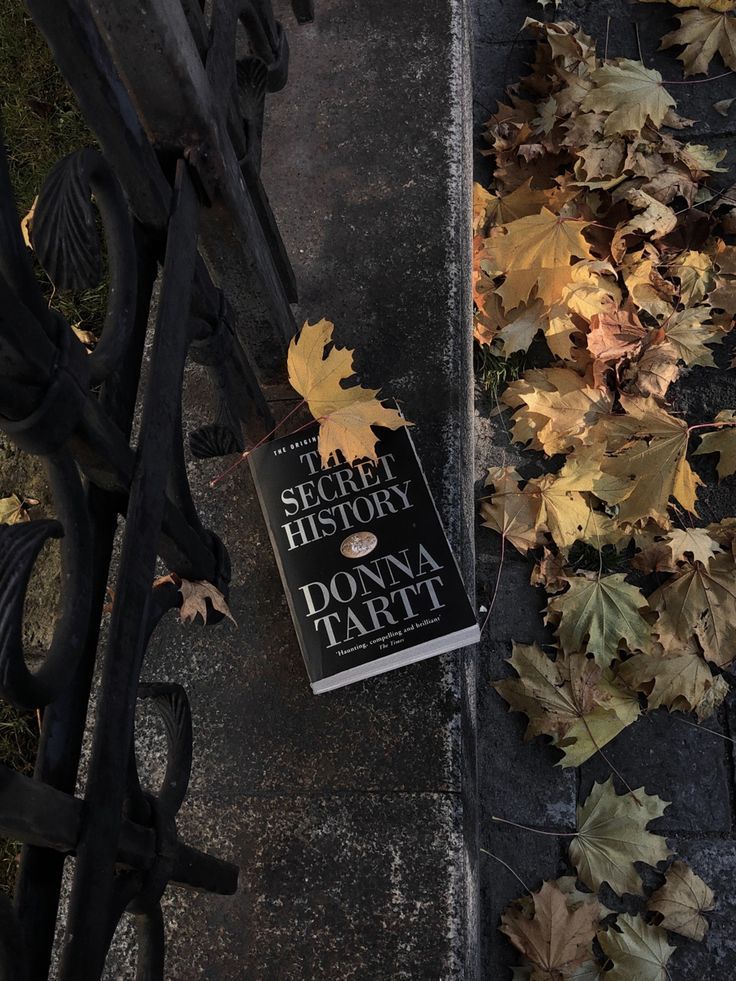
(346, 415)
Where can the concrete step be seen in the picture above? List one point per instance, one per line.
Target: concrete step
(350, 814)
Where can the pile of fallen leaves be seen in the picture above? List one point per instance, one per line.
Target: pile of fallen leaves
(555, 928)
(601, 237)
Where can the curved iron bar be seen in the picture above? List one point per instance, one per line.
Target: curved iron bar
(76, 411)
(19, 547)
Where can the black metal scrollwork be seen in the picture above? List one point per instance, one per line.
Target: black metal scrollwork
(169, 178)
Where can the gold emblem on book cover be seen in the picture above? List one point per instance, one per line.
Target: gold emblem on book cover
(357, 545)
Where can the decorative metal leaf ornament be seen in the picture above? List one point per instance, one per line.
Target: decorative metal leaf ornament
(64, 231)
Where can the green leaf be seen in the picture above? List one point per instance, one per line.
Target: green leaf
(597, 615)
(639, 951)
(612, 835)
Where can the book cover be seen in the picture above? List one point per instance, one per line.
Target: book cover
(368, 573)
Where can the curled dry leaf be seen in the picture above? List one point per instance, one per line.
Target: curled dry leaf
(681, 902)
(14, 511)
(722, 442)
(571, 699)
(195, 594)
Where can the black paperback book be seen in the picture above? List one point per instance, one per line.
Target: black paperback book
(367, 569)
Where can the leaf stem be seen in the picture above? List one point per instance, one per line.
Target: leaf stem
(710, 425)
(246, 453)
(536, 831)
(496, 585)
(713, 732)
(608, 763)
(696, 81)
(507, 866)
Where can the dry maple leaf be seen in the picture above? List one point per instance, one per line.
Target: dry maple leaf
(681, 902)
(638, 950)
(700, 604)
(521, 329)
(534, 254)
(564, 513)
(521, 202)
(630, 94)
(612, 835)
(346, 415)
(567, 418)
(554, 938)
(723, 442)
(692, 545)
(194, 600)
(570, 699)
(511, 512)
(655, 369)
(616, 335)
(646, 440)
(695, 272)
(678, 681)
(559, 333)
(195, 594)
(14, 511)
(689, 332)
(596, 615)
(703, 4)
(555, 409)
(704, 33)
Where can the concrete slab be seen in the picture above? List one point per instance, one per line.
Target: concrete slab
(328, 890)
(346, 812)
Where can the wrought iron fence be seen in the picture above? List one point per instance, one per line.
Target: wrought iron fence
(174, 91)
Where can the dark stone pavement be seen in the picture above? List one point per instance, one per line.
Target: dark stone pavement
(695, 770)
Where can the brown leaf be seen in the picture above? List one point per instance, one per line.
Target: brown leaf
(554, 938)
(699, 604)
(614, 336)
(195, 595)
(681, 902)
(704, 33)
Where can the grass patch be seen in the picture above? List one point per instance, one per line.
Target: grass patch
(18, 746)
(42, 124)
(492, 371)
